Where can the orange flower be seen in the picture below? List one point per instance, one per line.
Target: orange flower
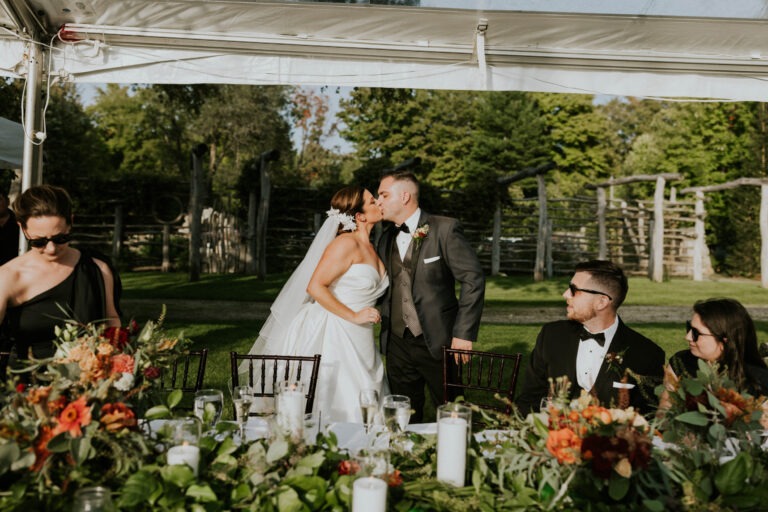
(38, 395)
(75, 415)
(122, 363)
(54, 406)
(565, 445)
(395, 478)
(117, 416)
(40, 448)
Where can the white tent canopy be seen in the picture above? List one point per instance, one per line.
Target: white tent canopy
(671, 48)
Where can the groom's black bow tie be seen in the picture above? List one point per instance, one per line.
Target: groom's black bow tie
(404, 228)
(599, 337)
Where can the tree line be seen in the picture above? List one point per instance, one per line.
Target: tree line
(133, 143)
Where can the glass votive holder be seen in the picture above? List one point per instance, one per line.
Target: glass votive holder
(186, 430)
(290, 402)
(93, 499)
(454, 426)
(372, 461)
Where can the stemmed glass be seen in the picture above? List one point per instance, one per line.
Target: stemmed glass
(397, 412)
(369, 405)
(242, 398)
(208, 406)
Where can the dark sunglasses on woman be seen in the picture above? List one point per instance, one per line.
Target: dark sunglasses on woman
(60, 239)
(695, 333)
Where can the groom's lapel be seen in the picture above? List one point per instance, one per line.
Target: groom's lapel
(423, 219)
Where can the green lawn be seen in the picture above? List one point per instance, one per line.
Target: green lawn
(222, 337)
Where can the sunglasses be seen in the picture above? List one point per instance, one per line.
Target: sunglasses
(39, 243)
(575, 289)
(695, 333)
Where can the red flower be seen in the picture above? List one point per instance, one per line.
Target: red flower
(152, 372)
(117, 416)
(348, 467)
(133, 328)
(74, 416)
(395, 478)
(117, 337)
(20, 387)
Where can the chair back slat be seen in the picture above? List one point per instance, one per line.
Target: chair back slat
(485, 372)
(187, 372)
(279, 365)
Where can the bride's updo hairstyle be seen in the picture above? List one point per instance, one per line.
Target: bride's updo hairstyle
(349, 201)
(43, 201)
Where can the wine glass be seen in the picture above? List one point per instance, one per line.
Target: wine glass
(242, 398)
(369, 405)
(208, 406)
(397, 412)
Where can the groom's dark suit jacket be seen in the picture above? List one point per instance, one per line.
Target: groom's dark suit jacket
(441, 259)
(555, 355)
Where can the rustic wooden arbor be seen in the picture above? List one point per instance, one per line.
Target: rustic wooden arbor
(699, 225)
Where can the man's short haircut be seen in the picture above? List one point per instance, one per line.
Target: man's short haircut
(403, 176)
(609, 276)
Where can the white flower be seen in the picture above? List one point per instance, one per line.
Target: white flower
(124, 383)
(346, 220)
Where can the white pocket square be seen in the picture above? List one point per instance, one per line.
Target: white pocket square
(622, 385)
(430, 260)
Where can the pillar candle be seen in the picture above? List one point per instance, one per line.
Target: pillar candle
(452, 450)
(290, 410)
(184, 454)
(369, 494)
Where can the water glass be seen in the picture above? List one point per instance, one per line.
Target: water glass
(312, 426)
(397, 412)
(369, 406)
(208, 406)
(242, 399)
(93, 499)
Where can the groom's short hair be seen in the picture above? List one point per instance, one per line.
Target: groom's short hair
(407, 176)
(609, 276)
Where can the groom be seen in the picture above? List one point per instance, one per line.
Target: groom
(425, 255)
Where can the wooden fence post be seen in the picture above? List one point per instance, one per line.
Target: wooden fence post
(166, 247)
(699, 244)
(197, 197)
(117, 235)
(764, 235)
(496, 241)
(602, 241)
(261, 222)
(541, 242)
(250, 236)
(657, 239)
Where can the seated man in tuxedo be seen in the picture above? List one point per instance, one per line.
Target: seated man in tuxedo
(594, 348)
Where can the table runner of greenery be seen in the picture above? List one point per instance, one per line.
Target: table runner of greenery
(72, 422)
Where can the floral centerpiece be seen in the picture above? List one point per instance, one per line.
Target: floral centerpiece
(71, 420)
(712, 440)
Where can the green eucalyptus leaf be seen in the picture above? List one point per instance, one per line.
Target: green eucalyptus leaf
(717, 431)
(202, 493)
(692, 418)
(313, 460)
(80, 448)
(179, 475)
(9, 453)
(732, 476)
(138, 490)
(654, 506)
(174, 398)
(693, 387)
(277, 450)
(288, 500)
(59, 443)
(618, 488)
(157, 412)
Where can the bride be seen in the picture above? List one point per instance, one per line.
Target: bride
(326, 307)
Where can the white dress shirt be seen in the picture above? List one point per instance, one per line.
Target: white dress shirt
(590, 357)
(404, 239)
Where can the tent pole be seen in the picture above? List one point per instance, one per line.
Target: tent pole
(31, 171)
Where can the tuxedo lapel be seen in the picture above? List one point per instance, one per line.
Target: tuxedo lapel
(612, 372)
(423, 218)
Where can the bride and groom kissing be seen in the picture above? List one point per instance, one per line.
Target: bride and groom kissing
(327, 306)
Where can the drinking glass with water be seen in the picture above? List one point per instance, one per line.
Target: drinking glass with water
(397, 412)
(208, 406)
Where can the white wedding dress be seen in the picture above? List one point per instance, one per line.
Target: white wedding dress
(350, 361)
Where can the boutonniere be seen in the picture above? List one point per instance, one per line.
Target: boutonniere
(615, 362)
(420, 233)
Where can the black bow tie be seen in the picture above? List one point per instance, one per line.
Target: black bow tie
(404, 228)
(599, 337)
